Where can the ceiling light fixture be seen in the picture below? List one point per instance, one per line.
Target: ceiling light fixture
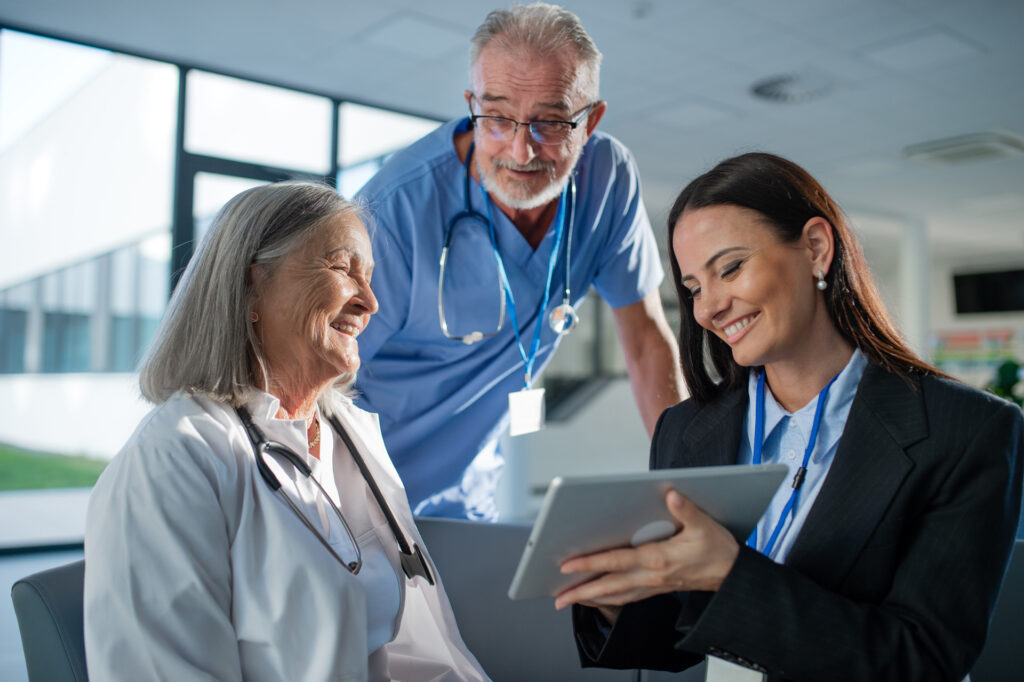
(987, 146)
(793, 87)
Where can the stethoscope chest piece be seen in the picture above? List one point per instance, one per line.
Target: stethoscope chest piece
(563, 319)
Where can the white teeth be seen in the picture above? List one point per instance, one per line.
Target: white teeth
(349, 329)
(736, 326)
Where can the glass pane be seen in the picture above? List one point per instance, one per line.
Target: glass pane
(65, 342)
(369, 133)
(87, 148)
(211, 192)
(154, 275)
(13, 326)
(352, 179)
(86, 162)
(237, 119)
(138, 291)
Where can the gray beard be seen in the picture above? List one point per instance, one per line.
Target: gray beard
(545, 196)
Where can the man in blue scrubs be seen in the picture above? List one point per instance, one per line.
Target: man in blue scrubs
(443, 401)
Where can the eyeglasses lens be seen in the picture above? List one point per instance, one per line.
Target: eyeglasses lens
(543, 132)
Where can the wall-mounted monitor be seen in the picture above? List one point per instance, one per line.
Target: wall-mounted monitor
(989, 292)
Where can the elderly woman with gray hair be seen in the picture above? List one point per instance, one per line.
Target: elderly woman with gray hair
(253, 526)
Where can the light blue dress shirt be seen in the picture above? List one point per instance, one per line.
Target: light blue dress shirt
(785, 439)
(443, 404)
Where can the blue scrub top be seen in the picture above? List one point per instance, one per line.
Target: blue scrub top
(442, 403)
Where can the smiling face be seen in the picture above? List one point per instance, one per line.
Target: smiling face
(521, 173)
(314, 304)
(751, 290)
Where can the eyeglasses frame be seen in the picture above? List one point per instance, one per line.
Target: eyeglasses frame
(573, 123)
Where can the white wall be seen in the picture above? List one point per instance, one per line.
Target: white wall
(607, 436)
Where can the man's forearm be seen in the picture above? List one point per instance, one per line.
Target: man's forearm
(652, 357)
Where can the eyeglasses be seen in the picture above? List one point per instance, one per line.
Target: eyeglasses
(543, 132)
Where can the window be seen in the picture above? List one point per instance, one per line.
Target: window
(236, 119)
(367, 137)
(87, 191)
(69, 300)
(86, 161)
(15, 305)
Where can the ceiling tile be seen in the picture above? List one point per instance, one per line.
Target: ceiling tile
(921, 51)
(416, 36)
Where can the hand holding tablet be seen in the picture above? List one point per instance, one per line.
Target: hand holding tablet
(583, 516)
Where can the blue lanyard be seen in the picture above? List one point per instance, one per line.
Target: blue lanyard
(528, 359)
(798, 479)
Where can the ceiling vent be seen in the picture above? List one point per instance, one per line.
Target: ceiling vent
(970, 148)
(793, 87)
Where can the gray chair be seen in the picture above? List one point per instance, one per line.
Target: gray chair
(513, 640)
(1000, 658)
(48, 605)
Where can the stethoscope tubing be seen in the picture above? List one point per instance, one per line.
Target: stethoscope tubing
(468, 213)
(413, 561)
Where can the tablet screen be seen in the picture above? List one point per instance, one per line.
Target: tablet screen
(582, 515)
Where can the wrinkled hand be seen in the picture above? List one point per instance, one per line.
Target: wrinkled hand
(698, 557)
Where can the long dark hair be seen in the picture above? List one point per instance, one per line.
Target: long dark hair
(787, 197)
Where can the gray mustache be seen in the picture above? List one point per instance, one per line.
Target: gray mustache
(535, 165)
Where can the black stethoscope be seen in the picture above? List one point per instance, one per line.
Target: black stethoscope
(562, 318)
(414, 562)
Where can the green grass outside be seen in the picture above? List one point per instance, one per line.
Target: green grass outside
(25, 470)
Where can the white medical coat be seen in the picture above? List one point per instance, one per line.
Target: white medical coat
(196, 570)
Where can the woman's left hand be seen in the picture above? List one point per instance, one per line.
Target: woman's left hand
(698, 557)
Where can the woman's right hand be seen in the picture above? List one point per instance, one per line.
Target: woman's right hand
(698, 557)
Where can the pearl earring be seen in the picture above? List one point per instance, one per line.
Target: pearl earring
(821, 283)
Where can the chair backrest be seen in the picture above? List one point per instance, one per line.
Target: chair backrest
(513, 640)
(48, 605)
(1000, 659)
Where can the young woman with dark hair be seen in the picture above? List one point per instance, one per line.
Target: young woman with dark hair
(883, 559)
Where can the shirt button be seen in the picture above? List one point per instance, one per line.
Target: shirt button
(792, 424)
(791, 454)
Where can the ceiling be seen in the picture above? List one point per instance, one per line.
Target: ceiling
(677, 75)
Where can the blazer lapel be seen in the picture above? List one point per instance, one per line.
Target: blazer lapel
(886, 417)
(713, 437)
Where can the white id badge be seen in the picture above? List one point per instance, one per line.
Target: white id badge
(720, 670)
(525, 411)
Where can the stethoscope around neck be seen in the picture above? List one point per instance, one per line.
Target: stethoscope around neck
(562, 318)
(414, 562)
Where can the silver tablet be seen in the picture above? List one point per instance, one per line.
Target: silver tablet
(582, 515)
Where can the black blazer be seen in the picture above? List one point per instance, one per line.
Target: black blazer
(896, 570)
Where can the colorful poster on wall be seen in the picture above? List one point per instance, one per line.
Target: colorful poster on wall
(975, 355)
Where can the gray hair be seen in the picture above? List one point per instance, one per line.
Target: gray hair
(543, 29)
(205, 343)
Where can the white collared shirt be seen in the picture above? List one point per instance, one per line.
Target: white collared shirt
(785, 440)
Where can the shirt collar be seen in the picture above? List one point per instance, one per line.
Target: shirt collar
(837, 407)
(289, 432)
